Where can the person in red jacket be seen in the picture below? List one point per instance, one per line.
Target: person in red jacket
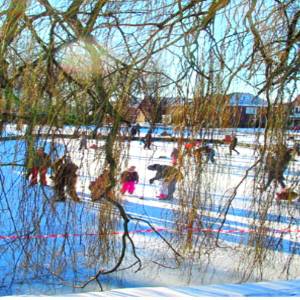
(128, 179)
(41, 162)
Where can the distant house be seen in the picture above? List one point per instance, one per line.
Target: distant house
(234, 110)
(154, 110)
(134, 114)
(147, 110)
(247, 110)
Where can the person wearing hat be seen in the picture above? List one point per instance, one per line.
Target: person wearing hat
(128, 179)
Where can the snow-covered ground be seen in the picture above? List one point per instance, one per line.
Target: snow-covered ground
(66, 237)
(261, 289)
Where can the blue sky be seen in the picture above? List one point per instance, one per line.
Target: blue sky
(171, 60)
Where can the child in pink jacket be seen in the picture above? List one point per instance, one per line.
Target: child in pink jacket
(128, 179)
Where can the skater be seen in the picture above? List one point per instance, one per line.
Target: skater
(169, 175)
(233, 144)
(65, 176)
(41, 162)
(83, 142)
(174, 156)
(188, 148)
(198, 151)
(210, 154)
(99, 185)
(128, 179)
(138, 129)
(53, 153)
(133, 131)
(276, 164)
(148, 140)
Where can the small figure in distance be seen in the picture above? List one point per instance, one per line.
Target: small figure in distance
(148, 140)
(83, 141)
(133, 131)
(210, 153)
(233, 144)
(174, 156)
(138, 129)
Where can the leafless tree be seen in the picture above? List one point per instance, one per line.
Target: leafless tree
(81, 62)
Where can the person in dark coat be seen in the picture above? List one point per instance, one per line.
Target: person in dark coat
(148, 140)
(65, 177)
(133, 131)
(138, 129)
(83, 141)
(41, 162)
(210, 153)
(233, 144)
(276, 164)
(169, 176)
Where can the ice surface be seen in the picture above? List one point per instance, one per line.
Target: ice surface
(217, 188)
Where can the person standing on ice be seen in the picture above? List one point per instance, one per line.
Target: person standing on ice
(148, 139)
(174, 156)
(276, 164)
(169, 176)
(99, 185)
(65, 177)
(210, 153)
(233, 144)
(138, 129)
(128, 179)
(133, 131)
(41, 162)
(83, 142)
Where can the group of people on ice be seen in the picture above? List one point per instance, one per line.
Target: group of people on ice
(200, 150)
(64, 170)
(64, 177)
(64, 173)
(167, 175)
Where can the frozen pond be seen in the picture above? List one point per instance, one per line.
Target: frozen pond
(237, 232)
